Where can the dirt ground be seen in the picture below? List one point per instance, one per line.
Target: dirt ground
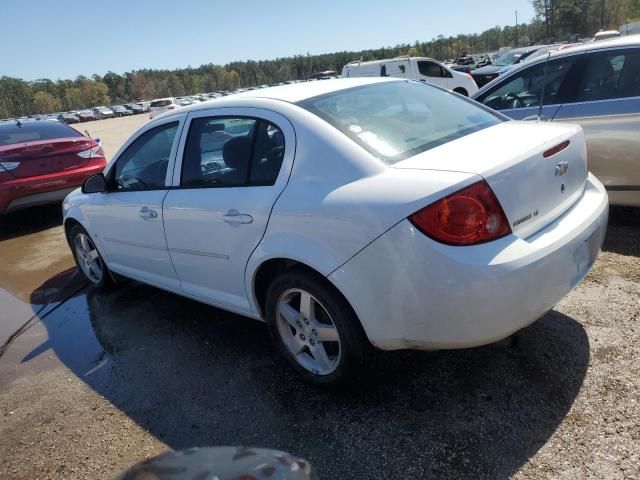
(105, 379)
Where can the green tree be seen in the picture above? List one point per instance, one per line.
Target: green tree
(44, 102)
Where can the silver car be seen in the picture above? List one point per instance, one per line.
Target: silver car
(596, 85)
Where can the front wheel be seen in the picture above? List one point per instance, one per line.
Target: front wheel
(316, 329)
(88, 259)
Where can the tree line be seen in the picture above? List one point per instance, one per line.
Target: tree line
(554, 19)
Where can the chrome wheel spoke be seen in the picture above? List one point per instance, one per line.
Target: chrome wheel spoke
(326, 333)
(88, 258)
(290, 314)
(294, 345)
(86, 247)
(306, 306)
(321, 357)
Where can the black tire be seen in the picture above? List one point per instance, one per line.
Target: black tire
(106, 280)
(461, 91)
(357, 353)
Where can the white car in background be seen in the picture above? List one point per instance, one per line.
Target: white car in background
(161, 105)
(414, 68)
(348, 214)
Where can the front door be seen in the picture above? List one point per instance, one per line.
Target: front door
(235, 163)
(128, 218)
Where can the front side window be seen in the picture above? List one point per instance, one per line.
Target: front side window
(143, 165)
(524, 89)
(231, 151)
(429, 69)
(396, 120)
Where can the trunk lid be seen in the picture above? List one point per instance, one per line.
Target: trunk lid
(534, 183)
(45, 156)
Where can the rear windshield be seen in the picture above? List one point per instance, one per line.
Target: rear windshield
(397, 120)
(11, 133)
(161, 103)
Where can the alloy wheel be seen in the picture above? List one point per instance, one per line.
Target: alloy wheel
(308, 332)
(88, 258)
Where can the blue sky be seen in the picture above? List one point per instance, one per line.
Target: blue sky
(65, 38)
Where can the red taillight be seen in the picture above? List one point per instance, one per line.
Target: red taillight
(170, 107)
(470, 216)
(556, 149)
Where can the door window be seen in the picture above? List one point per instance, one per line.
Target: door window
(430, 69)
(524, 89)
(610, 75)
(226, 151)
(143, 165)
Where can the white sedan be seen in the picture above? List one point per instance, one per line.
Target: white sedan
(349, 215)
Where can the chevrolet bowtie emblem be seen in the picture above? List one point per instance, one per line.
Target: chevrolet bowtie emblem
(562, 168)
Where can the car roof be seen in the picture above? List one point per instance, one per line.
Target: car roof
(627, 41)
(295, 92)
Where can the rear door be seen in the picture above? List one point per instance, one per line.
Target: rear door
(606, 103)
(234, 163)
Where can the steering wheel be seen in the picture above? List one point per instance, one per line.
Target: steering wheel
(210, 167)
(512, 100)
(124, 181)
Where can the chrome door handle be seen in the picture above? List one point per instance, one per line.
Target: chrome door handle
(233, 216)
(146, 212)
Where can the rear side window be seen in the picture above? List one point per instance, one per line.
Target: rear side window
(31, 131)
(231, 151)
(429, 69)
(161, 103)
(396, 120)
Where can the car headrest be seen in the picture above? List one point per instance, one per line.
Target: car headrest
(235, 152)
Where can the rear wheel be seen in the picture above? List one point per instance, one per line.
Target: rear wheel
(316, 329)
(88, 258)
(461, 91)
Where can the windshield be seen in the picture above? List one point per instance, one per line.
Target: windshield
(508, 58)
(396, 120)
(12, 133)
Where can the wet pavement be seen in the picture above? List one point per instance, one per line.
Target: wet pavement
(106, 379)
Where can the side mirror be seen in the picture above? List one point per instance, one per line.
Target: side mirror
(95, 184)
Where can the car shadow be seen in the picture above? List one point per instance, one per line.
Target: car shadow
(30, 220)
(623, 231)
(194, 375)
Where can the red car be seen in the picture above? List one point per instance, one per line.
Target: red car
(42, 161)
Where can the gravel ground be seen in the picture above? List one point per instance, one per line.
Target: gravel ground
(108, 379)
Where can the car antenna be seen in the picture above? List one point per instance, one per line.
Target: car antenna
(544, 84)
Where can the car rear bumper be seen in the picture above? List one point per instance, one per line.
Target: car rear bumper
(18, 193)
(412, 292)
